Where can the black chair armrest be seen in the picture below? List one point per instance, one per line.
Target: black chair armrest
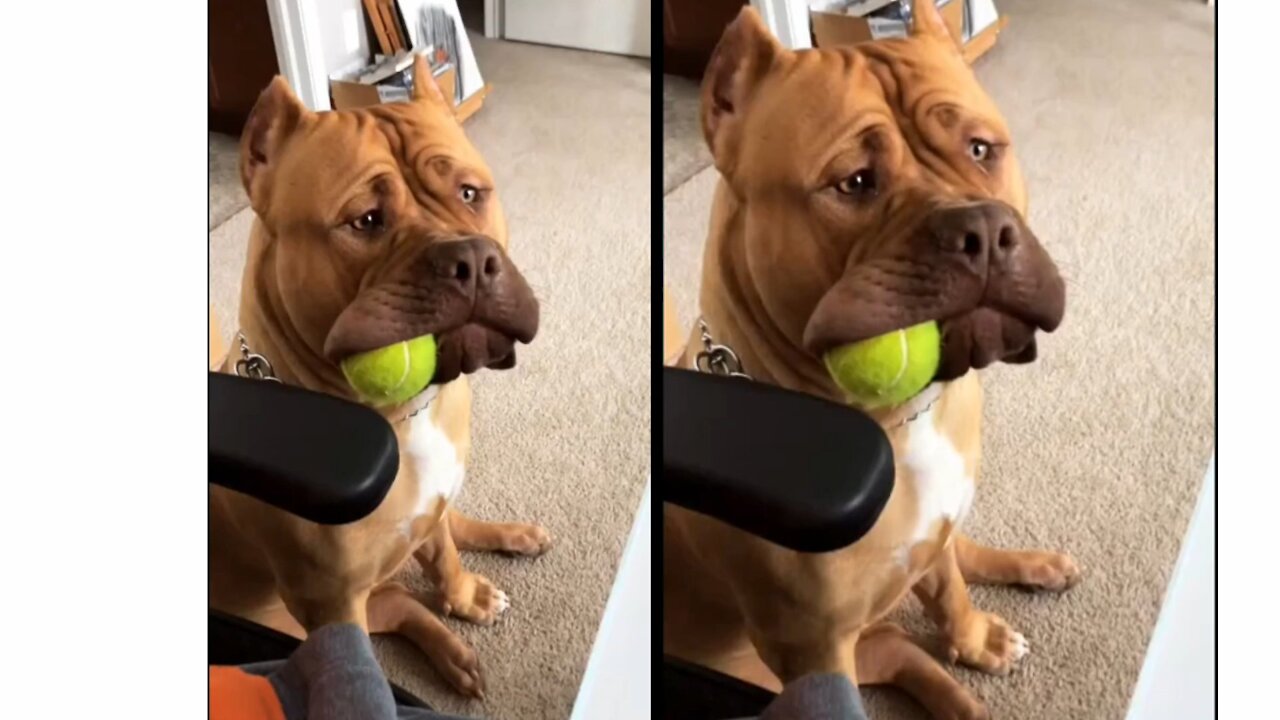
(319, 457)
(799, 471)
(693, 692)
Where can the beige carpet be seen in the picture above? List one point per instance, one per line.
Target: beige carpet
(1099, 448)
(226, 193)
(684, 152)
(564, 439)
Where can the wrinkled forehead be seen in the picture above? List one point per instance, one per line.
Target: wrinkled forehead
(919, 79)
(809, 103)
(339, 150)
(816, 103)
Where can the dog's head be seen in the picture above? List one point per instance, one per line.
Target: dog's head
(878, 188)
(382, 224)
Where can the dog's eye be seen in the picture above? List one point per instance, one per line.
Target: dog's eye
(469, 194)
(979, 150)
(862, 182)
(368, 222)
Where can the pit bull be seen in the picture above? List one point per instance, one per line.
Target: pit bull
(863, 189)
(374, 226)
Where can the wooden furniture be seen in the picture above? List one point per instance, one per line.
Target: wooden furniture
(690, 31)
(979, 44)
(242, 61)
(384, 18)
(472, 104)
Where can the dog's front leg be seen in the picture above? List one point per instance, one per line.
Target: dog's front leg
(518, 538)
(461, 593)
(979, 639)
(982, 565)
(393, 609)
(886, 655)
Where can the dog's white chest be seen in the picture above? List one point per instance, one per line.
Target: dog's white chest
(936, 470)
(436, 466)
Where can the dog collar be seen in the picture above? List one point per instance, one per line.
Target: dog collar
(719, 359)
(257, 367)
(253, 365)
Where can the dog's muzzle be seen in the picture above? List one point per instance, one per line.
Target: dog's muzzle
(465, 291)
(975, 268)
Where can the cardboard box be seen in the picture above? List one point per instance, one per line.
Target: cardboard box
(841, 28)
(352, 93)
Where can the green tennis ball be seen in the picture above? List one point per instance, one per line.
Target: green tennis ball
(393, 374)
(889, 369)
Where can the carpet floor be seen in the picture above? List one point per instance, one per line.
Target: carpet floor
(684, 152)
(564, 439)
(226, 193)
(1098, 449)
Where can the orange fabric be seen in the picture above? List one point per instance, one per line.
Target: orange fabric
(236, 695)
(217, 350)
(672, 340)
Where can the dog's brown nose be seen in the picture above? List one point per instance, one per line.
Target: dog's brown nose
(472, 264)
(982, 232)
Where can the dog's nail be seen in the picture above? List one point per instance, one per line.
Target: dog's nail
(1021, 648)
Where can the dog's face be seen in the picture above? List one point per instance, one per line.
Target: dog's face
(878, 189)
(383, 224)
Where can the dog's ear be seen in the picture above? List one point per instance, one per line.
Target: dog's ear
(926, 21)
(275, 116)
(741, 59)
(425, 87)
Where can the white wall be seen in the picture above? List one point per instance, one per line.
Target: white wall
(345, 43)
(611, 26)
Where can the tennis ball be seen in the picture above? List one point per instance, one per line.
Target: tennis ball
(393, 374)
(889, 369)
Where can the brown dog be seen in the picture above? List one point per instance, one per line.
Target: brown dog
(374, 226)
(863, 189)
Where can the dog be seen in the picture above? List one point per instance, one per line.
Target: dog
(374, 226)
(863, 189)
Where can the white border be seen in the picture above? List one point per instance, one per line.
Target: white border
(299, 50)
(104, 531)
(1248, 395)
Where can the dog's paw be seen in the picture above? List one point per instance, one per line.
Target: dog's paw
(474, 598)
(458, 664)
(986, 642)
(1049, 571)
(528, 540)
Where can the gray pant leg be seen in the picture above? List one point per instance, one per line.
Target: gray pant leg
(333, 675)
(817, 697)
